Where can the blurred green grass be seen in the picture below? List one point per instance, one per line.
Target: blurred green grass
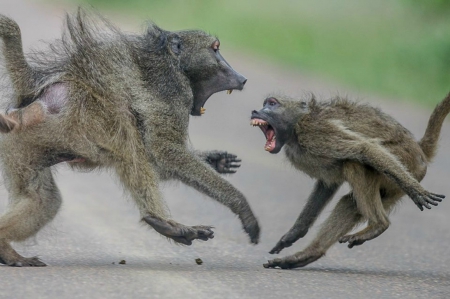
(397, 48)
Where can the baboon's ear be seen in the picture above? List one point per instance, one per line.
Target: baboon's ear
(156, 36)
(175, 44)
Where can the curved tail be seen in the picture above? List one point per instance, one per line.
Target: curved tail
(19, 70)
(429, 141)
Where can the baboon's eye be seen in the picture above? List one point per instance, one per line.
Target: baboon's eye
(272, 102)
(215, 46)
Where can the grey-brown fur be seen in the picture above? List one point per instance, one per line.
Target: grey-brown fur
(116, 101)
(341, 141)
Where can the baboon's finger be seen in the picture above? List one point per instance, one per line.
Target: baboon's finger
(228, 170)
(234, 165)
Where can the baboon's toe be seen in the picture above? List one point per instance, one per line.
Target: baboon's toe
(203, 232)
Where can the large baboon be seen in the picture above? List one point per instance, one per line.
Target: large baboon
(341, 141)
(118, 101)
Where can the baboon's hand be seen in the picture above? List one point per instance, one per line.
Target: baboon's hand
(251, 227)
(287, 240)
(425, 199)
(223, 162)
(178, 232)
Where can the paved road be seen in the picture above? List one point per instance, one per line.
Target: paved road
(97, 227)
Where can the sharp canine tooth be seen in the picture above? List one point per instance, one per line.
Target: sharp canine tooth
(229, 91)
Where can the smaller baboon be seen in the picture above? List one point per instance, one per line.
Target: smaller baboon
(342, 141)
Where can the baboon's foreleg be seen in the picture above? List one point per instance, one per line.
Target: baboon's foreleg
(180, 163)
(317, 200)
(342, 219)
(35, 200)
(366, 192)
(142, 182)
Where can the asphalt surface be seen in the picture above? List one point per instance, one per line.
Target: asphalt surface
(97, 227)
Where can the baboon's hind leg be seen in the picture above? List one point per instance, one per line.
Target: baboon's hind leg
(342, 219)
(366, 193)
(142, 182)
(35, 200)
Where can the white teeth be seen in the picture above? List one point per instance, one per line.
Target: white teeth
(229, 91)
(202, 110)
(259, 123)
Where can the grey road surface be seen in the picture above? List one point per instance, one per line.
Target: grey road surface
(97, 227)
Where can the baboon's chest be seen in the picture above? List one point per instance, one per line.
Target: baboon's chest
(318, 167)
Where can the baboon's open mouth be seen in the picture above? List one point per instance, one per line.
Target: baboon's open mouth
(269, 132)
(203, 109)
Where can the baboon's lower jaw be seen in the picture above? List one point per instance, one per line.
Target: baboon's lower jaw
(268, 132)
(270, 144)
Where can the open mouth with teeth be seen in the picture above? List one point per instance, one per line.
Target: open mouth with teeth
(203, 109)
(269, 132)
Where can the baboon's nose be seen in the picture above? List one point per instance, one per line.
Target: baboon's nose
(245, 81)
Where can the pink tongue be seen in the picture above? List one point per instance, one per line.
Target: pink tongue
(270, 144)
(269, 135)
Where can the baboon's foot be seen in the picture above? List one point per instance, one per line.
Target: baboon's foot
(20, 261)
(223, 162)
(369, 233)
(178, 232)
(299, 259)
(10, 257)
(288, 239)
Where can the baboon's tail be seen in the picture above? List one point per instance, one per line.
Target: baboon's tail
(19, 70)
(429, 141)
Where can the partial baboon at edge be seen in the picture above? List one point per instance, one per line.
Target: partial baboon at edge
(341, 141)
(106, 99)
(21, 118)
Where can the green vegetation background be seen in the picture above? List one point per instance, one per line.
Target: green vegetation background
(396, 48)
